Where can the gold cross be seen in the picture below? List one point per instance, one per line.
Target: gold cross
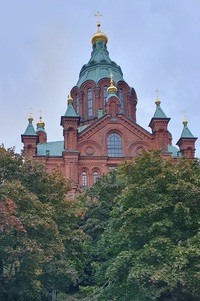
(30, 109)
(157, 93)
(40, 111)
(184, 117)
(98, 15)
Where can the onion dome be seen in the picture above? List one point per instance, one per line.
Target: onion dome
(100, 65)
(99, 36)
(69, 99)
(40, 124)
(112, 88)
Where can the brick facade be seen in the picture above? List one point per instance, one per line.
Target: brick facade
(99, 126)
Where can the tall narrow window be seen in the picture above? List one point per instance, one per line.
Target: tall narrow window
(114, 144)
(89, 102)
(84, 179)
(95, 176)
(105, 94)
(77, 105)
(120, 95)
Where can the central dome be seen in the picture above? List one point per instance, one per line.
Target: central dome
(100, 65)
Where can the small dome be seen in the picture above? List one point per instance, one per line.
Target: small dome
(99, 36)
(112, 88)
(70, 99)
(40, 124)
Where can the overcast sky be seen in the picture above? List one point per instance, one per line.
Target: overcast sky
(44, 44)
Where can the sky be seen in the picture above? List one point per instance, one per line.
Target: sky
(45, 43)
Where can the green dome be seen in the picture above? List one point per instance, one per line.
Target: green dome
(100, 65)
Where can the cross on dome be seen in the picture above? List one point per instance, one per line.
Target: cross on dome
(98, 15)
(157, 102)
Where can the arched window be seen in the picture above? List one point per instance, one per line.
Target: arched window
(84, 179)
(120, 95)
(77, 104)
(105, 94)
(95, 176)
(89, 102)
(114, 144)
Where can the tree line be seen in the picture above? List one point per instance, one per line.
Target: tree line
(133, 236)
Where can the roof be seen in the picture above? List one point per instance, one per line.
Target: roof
(186, 132)
(30, 129)
(175, 152)
(100, 65)
(159, 112)
(81, 128)
(70, 112)
(50, 148)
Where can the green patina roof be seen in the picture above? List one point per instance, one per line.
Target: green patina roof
(159, 112)
(174, 151)
(100, 65)
(186, 132)
(54, 148)
(30, 129)
(50, 148)
(70, 112)
(81, 128)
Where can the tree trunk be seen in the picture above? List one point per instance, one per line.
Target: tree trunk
(53, 294)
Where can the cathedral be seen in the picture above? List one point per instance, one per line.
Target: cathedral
(99, 125)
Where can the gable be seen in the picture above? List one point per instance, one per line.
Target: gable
(93, 140)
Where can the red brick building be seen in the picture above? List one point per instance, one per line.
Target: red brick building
(99, 125)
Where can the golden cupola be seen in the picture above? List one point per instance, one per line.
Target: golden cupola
(99, 36)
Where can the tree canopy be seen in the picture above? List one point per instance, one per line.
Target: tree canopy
(134, 235)
(149, 249)
(40, 241)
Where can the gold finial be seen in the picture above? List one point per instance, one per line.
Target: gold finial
(112, 88)
(40, 111)
(184, 119)
(30, 119)
(69, 99)
(98, 15)
(157, 102)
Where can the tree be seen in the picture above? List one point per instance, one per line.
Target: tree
(41, 245)
(150, 249)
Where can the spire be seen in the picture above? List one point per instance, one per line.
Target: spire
(159, 112)
(30, 129)
(186, 142)
(186, 133)
(112, 88)
(70, 112)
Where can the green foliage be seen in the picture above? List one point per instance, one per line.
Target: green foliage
(149, 249)
(41, 245)
(134, 235)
